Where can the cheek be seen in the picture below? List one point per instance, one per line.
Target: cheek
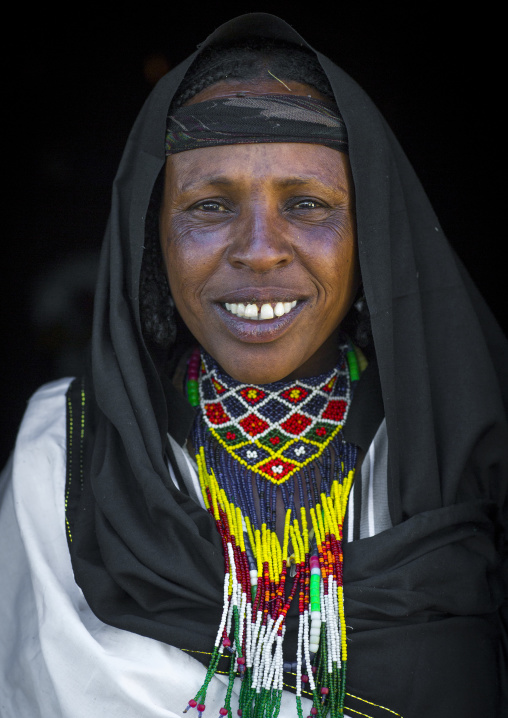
(347, 270)
(334, 266)
(182, 268)
(190, 266)
(342, 255)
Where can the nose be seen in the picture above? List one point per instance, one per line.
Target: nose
(260, 242)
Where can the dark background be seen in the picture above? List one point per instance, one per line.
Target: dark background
(78, 80)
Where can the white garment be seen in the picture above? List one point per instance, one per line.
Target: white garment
(57, 660)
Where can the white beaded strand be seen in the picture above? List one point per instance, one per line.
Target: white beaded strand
(335, 602)
(299, 656)
(274, 680)
(255, 637)
(248, 637)
(266, 655)
(280, 682)
(257, 659)
(242, 615)
(234, 588)
(331, 626)
(328, 624)
(308, 665)
(225, 611)
(269, 660)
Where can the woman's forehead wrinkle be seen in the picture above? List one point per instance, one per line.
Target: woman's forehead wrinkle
(283, 183)
(320, 174)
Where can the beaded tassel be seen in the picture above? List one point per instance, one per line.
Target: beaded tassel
(242, 449)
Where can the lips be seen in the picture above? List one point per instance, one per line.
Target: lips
(260, 323)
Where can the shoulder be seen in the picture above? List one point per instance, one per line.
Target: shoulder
(45, 413)
(37, 470)
(42, 432)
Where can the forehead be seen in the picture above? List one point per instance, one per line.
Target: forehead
(273, 164)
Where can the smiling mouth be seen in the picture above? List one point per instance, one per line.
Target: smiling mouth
(260, 311)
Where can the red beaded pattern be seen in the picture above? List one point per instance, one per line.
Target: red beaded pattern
(274, 433)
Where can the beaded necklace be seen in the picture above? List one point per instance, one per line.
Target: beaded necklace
(256, 446)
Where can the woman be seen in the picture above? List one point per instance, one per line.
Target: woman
(284, 208)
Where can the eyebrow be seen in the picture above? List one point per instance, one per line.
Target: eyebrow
(207, 180)
(223, 181)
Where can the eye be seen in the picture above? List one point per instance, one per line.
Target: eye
(306, 203)
(209, 205)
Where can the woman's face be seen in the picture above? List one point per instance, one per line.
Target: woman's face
(265, 230)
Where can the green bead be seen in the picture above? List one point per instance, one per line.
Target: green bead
(353, 365)
(193, 396)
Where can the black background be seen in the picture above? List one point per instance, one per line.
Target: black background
(79, 77)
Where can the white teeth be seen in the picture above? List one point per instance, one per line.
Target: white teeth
(251, 311)
(267, 311)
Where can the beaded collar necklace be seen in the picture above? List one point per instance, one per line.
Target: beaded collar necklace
(258, 446)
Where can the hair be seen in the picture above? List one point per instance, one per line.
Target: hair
(253, 59)
(250, 59)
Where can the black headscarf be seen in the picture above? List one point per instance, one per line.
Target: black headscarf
(248, 120)
(422, 599)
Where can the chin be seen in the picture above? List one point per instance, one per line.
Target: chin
(269, 362)
(252, 368)
(262, 367)
(252, 373)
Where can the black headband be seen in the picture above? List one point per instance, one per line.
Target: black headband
(245, 119)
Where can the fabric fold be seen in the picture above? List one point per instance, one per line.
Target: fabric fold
(436, 564)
